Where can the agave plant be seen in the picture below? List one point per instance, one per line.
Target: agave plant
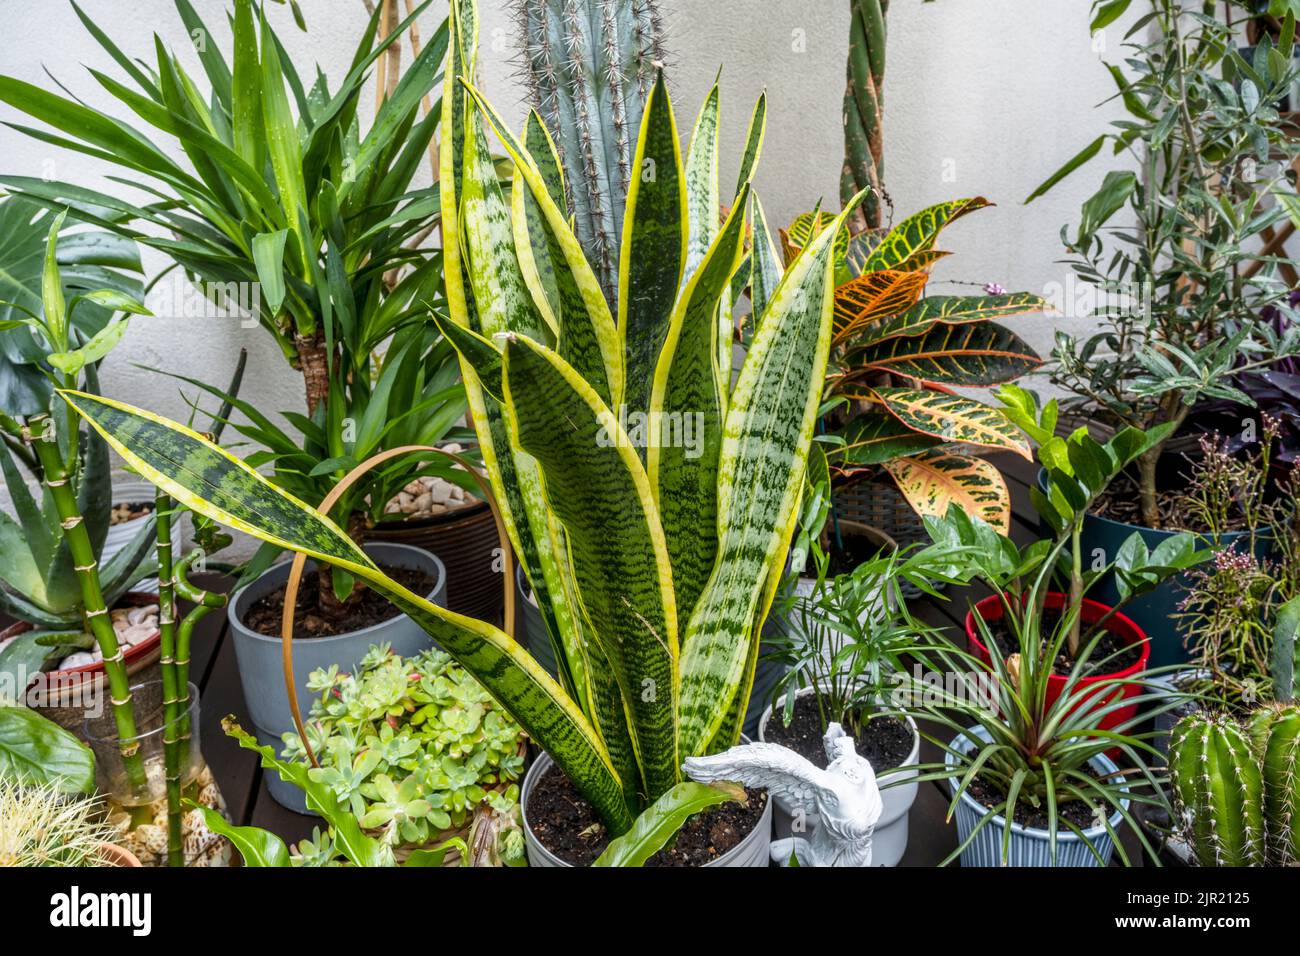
(50, 570)
(654, 566)
(897, 356)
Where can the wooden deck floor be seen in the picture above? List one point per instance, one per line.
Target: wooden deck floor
(249, 801)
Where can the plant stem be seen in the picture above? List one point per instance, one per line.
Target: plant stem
(41, 435)
(1076, 586)
(163, 505)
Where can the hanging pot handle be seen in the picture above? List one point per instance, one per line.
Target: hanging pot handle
(299, 560)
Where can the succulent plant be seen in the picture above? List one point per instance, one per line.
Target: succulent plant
(410, 745)
(590, 65)
(41, 826)
(1238, 787)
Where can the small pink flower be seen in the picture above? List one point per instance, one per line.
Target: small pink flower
(994, 288)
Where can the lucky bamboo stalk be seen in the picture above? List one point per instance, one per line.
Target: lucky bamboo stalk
(163, 506)
(41, 435)
(204, 603)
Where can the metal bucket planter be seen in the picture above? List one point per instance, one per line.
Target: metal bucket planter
(889, 839)
(1028, 846)
(466, 542)
(261, 662)
(753, 850)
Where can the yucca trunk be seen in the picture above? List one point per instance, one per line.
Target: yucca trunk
(42, 435)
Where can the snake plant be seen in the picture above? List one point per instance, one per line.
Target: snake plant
(653, 566)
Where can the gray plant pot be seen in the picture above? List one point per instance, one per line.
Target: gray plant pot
(889, 839)
(1028, 846)
(261, 661)
(751, 851)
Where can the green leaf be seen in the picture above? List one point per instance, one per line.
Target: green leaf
(37, 751)
(212, 482)
(653, 251)
(595, 484)
(1085, 154)
(268, 259)
(1106, 13)
(766, 437)
(660, 822)
(903, 249)
(71, 363)
(687, 404)
(257, 847)
(703, 196)
(977, 355)
(1115, 191)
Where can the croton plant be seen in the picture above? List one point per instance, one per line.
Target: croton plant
(897, 356)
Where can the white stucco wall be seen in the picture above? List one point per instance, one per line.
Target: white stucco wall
(984, 97)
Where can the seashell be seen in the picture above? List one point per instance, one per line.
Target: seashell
(79, 659)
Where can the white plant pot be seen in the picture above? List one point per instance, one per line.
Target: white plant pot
(889, 840)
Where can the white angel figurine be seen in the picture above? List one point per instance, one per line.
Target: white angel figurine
(844, 795)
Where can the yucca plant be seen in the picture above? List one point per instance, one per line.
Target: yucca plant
(896, 357)
(654, 576)
(311, 211)
(288, 208)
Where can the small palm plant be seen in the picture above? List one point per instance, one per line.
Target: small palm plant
(651, 500)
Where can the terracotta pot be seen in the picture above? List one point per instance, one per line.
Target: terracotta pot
(62, 698)
(466, 542)
(991, 610)
(114, 855)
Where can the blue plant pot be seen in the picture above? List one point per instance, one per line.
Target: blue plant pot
(1028, 846)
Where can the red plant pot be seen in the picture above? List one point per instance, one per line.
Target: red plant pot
(991, 609)
(134, 658)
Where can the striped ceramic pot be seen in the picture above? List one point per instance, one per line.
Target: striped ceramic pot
(1028, 846)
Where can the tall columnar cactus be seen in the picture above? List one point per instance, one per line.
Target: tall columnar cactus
(864, 150)
(1237, 788)
(590, 65)
(1276, 733)
(1219, 790)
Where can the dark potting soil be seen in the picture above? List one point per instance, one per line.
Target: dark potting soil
(1100, 660)
(364, 609)
(568, 826)
(884, 740)
(1027, 815)
(852, 550)
(1122, 502)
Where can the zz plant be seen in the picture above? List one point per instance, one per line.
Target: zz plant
(653, 566)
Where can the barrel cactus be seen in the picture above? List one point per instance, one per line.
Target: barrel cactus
(590, 65)
(1218, 787)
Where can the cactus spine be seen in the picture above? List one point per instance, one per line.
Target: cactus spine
(1218, 787)
(1238, 789)
(1280, 751)
(589, 65)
